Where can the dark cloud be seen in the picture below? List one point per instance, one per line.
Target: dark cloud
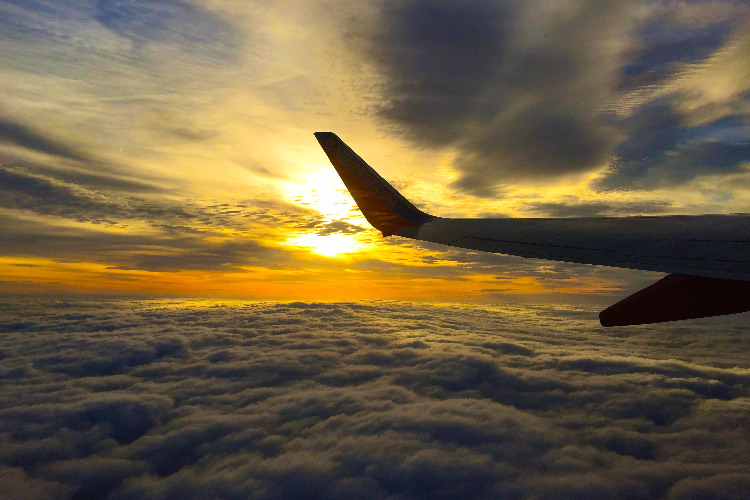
(665, 43)
(728, 486)
(21, 135)
(203, 255)
(52, 194)
(520, 102)
(194, 399)
(70, 164)
(181, 230)
(171, 250)
(192, 134)
(661, 149)
(20, 184)
(596, 209)
(90, 176)
(525, 91)
(92, 477)
(439, 57)
(536, 143)
(15, 483)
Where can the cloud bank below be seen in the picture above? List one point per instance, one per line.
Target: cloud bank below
(197, 399)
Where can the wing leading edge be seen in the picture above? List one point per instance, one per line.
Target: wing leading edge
(707, 256)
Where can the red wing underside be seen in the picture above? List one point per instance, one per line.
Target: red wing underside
(677, 297)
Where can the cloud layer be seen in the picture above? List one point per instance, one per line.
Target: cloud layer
(175, 399)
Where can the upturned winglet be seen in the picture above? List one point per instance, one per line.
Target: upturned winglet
(382, 206)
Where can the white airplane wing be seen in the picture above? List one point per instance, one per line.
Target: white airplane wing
(707, 256)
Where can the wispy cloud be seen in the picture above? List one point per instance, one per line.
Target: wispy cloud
(21, 135)
(175, 137)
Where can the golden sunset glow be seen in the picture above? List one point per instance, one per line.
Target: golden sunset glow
(332, 245)
(193, 306)
(323, 191)
(170, 150)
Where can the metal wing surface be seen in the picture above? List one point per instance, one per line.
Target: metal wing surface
(710, 245)
(707, 256)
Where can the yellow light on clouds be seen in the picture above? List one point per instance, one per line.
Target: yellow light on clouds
(323, 191)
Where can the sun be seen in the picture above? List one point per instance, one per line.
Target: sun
(332, 245)
(323, 191)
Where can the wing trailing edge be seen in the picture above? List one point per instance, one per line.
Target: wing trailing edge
(706, 256)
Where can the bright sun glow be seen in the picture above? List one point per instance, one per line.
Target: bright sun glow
(332, 245)
(323, 191)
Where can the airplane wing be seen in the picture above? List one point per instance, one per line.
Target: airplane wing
(707, 256)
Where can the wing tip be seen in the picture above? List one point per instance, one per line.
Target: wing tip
(383, 207)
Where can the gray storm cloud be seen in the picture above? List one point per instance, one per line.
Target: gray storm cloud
(517, 87)
(664, 150)
(18, 134)
(192, 399)
(532, 91)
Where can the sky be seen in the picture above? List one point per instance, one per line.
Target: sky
(266, 342)
(379, 400)
(165, 147)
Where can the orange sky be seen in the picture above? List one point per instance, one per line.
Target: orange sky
(155, 153)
